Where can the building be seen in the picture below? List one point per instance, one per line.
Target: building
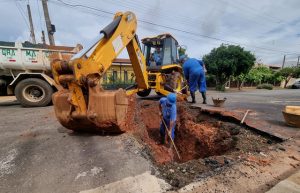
(274, 67)
(121, 71)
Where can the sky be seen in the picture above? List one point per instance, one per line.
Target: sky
(269, 29)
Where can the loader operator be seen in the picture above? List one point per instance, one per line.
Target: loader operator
(157, 56)
(168, 113)
(194, 74)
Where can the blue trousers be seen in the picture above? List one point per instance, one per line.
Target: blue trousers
(162, 129)
(197, 81)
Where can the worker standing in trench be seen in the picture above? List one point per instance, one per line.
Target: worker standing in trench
(168, 114)
(194, 74)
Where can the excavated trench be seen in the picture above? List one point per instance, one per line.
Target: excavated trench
(193, 140)
(197, 135)
(207, 143)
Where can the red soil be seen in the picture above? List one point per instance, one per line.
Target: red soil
(193, 140)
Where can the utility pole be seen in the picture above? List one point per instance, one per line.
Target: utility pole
(298, 64)
(31, 25)
(50, 27)
(283, 62)
(43, 37)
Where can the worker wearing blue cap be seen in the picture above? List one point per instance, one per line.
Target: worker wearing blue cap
(168, 111)
(194, 74)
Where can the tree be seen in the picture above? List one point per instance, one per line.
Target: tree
(288, 73)
(260, 74)
(226, 61)
(297, 72)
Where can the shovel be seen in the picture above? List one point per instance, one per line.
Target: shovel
(171, 138)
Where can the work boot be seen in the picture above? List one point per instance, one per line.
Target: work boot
(204, 97)
(193, 97)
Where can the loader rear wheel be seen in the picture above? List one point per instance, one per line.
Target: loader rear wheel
(33, 92)
(144, 93)
(174, 82)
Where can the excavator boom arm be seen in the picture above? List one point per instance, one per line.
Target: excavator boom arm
(116, 36)
(83, 104)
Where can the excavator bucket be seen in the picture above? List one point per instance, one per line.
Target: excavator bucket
(106, 111)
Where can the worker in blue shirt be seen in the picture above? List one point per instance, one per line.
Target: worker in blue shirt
(194, 74)
(157, 56)
(168, 112)
(203, 83)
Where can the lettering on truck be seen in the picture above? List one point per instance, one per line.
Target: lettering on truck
(9, 55)
(30, 56)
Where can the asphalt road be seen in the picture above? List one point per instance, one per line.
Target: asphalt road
(38, 155)
(269, 103)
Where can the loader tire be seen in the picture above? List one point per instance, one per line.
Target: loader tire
(174, 81)
(144, 93)
(33, 92)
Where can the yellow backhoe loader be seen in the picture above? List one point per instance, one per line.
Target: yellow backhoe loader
(84, 105)
(164, 71)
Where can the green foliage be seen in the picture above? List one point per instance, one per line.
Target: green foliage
(288, 73)
(265, 86)
(220, 87)
(181, 51)
(260, 74)
(116, 84)
(297, 72)
(210, 80)
(228, 60)
(277, 78)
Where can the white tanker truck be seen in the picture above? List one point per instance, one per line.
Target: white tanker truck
(26, 73)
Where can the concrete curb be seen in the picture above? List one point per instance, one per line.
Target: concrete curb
(291, 185)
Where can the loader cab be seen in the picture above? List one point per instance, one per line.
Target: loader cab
(160, 51)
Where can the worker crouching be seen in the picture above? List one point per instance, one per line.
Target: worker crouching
(195, 76)
(168, 114)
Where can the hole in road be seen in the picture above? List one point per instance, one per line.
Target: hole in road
(204, 142)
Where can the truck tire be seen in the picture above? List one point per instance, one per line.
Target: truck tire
(3, 85)
(144, 93)
(33, 92)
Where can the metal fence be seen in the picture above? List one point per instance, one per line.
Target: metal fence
(115, 80)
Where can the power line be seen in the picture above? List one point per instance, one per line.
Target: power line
(22, 14)
(251, 11)
(39, 12)
(184, 20)
(257, 12)
(177, 29)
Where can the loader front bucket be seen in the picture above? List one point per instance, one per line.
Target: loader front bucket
(106, 111)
